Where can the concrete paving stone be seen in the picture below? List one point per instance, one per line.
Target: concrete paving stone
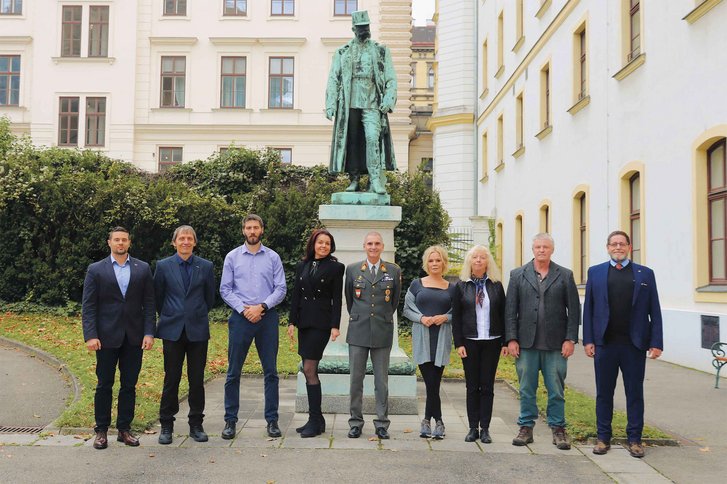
(421, 445)
(60, 440)
(255, 442)
(547, 448)
(505, 448)
(341, 441)
(297, 442)
(212, 442)
(637, 478)
(457, 445)
(618, 460)
(401, 435)
(17, 439)
(153, 440)
(253, 423)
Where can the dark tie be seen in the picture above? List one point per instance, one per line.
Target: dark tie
(373, 272)
(619, 266)
(185, 275)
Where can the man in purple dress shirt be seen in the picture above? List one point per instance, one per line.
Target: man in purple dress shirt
(253, 283)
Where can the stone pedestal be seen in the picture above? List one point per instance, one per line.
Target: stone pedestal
(349, 224)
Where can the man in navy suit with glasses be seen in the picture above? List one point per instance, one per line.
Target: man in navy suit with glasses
(621, 325)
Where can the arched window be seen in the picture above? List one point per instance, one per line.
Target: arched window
(717, 199)
(635, 216)
(430, 78)
(518, 241)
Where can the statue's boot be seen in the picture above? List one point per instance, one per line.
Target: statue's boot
(376, 184)
(353, 186)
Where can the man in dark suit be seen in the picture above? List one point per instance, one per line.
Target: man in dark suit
(621, 323)
(372, 289)
(542, 315)
(184, 285)
(118, 323)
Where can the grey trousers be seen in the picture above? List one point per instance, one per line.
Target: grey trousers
(357, 356)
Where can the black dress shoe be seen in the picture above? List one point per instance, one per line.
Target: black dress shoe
(229, 432)
(485, 437)
(165, 436)
(382, 433)
(472, 435)
(127, 438)
(101, 440)
(274, 430)
(197, 433)
(354, 433)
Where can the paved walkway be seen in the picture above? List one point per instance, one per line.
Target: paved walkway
(678, 400)
(32, 392)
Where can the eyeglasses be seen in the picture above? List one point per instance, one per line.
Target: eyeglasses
(618, 244)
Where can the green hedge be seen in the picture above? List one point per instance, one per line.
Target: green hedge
(57, 205)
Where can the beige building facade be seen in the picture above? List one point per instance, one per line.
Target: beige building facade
(160, 82)
(587, 117)
(422, 95)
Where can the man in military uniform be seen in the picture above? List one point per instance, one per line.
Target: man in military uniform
(361, 91)
(372, 290)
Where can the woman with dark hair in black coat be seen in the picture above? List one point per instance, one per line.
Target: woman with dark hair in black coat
(316, 310)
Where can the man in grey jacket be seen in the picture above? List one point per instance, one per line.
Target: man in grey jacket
(372, 289)
(542, 315)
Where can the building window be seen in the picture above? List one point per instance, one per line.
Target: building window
(545, 96)
(71, 31)
(518, 20)
(168, 157)
(9, 80)
(68, 121)
(500, 41)
(518, 241)
(233, 82)
(344, 7)
(430, 77)
(280, 84)
(635, 216)
(545, 218)
(582, 247)
(11, 7)
(500, 141)
(582, 66)
(499, 244)
(173, 81)
(484, 66)
(519, 122)
(634, 29)
(717, 201)
(282, 7)
(235, 8)
(427, 165)
(98, 32)
(95, 121)
(286, 154)
(484, 163)
(175, 7)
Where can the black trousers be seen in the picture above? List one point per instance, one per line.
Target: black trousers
(432, 376)
(480, 368)
(174, 353)
(128, 358)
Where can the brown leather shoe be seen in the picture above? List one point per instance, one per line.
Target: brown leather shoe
(127, 438)
(636, 449)
(601, 447)
(560, 438)
(101, 441)
(524, 436)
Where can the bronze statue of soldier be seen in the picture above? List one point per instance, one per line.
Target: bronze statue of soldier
(361, 91)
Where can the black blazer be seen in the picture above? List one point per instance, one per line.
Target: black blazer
(179, 310)
(316, 301)
(464, 317)
(109, 316)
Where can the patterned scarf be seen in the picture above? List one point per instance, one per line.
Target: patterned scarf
(480, 286)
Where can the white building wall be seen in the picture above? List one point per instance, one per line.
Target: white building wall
(453, 134)
(653, 116)
(140, 35)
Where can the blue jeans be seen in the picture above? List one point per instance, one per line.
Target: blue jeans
(241, 334)
(631, 361)
(554, 368)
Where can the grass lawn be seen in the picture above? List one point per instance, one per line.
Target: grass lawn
(63, 338)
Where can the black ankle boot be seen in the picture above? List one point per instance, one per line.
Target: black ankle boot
(316, 424)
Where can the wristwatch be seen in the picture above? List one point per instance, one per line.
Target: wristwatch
(265, 307)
